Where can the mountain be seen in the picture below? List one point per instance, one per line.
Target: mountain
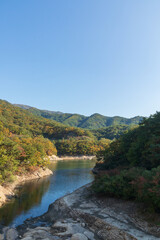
(22, 106)
(29, 107)
(26, 140)
(21, 121)
(94, 121)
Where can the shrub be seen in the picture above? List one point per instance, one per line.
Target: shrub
(135, 183)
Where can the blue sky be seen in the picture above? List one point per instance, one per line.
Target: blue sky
(81, 56)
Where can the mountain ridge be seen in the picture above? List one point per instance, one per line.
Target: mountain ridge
(93, 121)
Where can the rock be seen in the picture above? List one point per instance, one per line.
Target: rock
(83, 216)
(11, 234)
(63, 221)
(42, 229)
(37, 234)
(89, 234)
(62, 229)
(27, 238)
(79, 236)
(1, 236)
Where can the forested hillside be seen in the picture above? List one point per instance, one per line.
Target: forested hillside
(112, 132)
(130, 167)
(21, 121)
(94, 121)
(26, 140)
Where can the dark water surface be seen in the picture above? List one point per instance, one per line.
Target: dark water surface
(35, 196)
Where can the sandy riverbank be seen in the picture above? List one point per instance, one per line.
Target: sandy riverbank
(7, 191)
(82, 157)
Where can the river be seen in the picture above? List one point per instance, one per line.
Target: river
(34, 197)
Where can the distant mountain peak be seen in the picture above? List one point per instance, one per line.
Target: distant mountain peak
(96, 114)
(22, 106)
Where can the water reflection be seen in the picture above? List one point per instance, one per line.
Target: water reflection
(28, 195)
(35, 196)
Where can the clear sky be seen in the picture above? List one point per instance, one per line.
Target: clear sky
(81, 56)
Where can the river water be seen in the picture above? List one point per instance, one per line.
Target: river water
(34, 197)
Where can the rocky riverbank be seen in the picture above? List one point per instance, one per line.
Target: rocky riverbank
(7, 191)
(82, 157)
(83, 216)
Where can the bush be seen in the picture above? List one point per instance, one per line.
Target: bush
(135, 183)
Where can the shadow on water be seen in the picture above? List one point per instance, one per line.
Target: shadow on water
(34, 197)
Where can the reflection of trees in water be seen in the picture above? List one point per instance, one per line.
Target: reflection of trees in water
(72, 164)
(29, 195)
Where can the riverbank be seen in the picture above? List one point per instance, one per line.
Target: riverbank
(81, 157)
(83, 216)
(7, 191)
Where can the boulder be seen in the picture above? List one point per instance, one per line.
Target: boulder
(79, 236)
(11, 234)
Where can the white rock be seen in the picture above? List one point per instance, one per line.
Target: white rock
(79, 236)
(11, 234)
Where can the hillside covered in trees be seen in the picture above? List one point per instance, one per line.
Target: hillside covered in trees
(26, 140)
(130, 167)
(112, 132)
(94, 121)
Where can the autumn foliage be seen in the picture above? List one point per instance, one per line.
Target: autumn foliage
(26, 140)
(130, 167)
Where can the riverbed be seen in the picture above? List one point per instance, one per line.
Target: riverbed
(34, 197)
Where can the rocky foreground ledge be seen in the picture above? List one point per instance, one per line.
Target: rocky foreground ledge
(8, 191)
(82, 216)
